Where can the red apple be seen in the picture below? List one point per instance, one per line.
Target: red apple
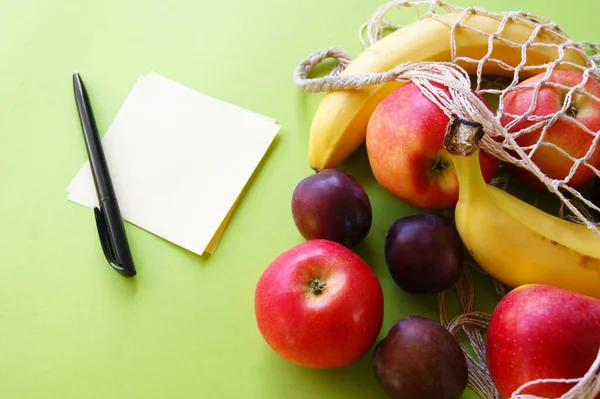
(405, 146)
(565, 133)
(538, 331)
(319, 305)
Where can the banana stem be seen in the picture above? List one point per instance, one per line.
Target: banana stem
(462, 142)
(471, 184)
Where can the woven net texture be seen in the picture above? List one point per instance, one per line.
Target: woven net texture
(515, 139)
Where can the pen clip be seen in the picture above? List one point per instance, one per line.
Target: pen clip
(105, 241)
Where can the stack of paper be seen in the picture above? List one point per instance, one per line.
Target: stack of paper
(179, 160)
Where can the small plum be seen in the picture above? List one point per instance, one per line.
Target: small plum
(420, 359)
(331, 204)
(424, 253)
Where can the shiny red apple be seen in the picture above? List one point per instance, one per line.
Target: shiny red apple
(538, 331)
(405, 147)
(566, 132)
(319, 305)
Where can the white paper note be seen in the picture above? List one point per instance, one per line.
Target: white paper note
(179, 160)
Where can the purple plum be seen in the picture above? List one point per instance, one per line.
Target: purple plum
(331, 204)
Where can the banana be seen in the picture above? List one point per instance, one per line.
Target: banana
(340, 120)
(513, 241)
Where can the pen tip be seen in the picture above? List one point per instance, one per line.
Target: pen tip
(76, 79)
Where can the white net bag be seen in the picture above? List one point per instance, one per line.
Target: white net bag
(519, 45)
(520, 52)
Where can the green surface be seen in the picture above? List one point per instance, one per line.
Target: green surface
(72, 328)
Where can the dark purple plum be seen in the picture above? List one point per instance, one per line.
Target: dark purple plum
(420, 359)
(424, 253)
(331, 204)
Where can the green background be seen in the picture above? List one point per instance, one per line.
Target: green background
(71, 327)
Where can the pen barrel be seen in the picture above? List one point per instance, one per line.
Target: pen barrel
(116, 234)
(98, 165)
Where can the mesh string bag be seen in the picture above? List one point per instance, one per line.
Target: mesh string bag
(510, 137)
(499, 140)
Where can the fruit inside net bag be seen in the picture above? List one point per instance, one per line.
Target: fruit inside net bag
(545, 125)
(538, 77)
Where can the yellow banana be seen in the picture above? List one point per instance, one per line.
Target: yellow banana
(515, 242)
(340, 121)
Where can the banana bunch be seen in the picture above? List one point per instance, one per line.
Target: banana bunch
(340, 121)
(513, 241)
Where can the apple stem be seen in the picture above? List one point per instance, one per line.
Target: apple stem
(438, 164)
(317, 286)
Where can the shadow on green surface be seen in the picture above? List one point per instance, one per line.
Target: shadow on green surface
(354, 381)
(306, 105)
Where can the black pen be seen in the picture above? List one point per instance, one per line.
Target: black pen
(108, 216)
